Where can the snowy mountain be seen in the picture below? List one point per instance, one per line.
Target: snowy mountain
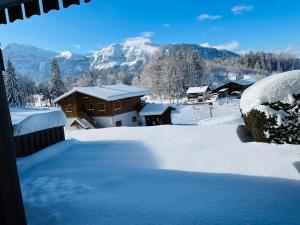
(27, 60)
(71, 64)
(35, 62)
(204, 52)
(131, 55)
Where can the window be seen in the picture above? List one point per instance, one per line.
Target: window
(117, 105)
(68, 108)
(90, 107)
(119, 123)
(85, 97)
(134, 119)
(101, 107)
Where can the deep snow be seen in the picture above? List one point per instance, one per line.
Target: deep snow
(178, 175)
(161, 175)
(199, 114)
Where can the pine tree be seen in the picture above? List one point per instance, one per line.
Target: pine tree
(196, 70)
(15, 94)
(57, 86)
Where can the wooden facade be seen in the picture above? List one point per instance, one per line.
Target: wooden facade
(163, 119)
(200, 96)
(29, 144)
(77, 103)
(232, 87)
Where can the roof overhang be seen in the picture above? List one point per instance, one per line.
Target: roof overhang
(12, 10)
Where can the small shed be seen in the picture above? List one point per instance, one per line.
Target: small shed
(198, 94)
(157, 114)
(36, 129)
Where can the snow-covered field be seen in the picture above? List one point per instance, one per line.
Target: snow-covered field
(224, 109)
(163, 175)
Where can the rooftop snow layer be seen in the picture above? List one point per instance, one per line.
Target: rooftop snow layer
(243, 82)
(195, 90)
(108, 93)
(278, 87)
(27, 121)
(153, 109)
(83, 123)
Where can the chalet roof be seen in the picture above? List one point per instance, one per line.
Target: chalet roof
(196, 90)
(239, 82)
(108, 92)
(152, 109)
(242, 82)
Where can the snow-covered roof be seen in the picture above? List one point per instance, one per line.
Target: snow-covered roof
(195, 90)
(224, 89)
(108, 92)
(278, 87)
(83, 123)
(243, 82)
(153, 109)
(26, 121)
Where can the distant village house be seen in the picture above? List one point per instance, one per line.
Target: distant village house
(233, 88)
(198, 94)
(103, 106)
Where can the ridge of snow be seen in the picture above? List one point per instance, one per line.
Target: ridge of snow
(65, 54)
(30, 120)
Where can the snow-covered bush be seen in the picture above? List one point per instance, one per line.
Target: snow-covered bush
(271, 108)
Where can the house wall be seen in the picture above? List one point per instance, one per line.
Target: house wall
(110, 121)
(199, 96)
(79, 103)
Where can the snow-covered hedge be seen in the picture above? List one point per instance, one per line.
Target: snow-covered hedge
(271, 108)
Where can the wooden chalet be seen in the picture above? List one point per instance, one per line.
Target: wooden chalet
(233, 88)
(198, 94)
(103, 106)
(157, 114)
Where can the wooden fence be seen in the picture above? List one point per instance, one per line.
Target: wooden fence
(29, 144)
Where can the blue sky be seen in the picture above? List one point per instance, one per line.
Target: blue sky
(231, 24)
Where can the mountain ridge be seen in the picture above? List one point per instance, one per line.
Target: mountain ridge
(131, 55)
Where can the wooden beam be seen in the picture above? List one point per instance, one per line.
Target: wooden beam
(11, 202)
